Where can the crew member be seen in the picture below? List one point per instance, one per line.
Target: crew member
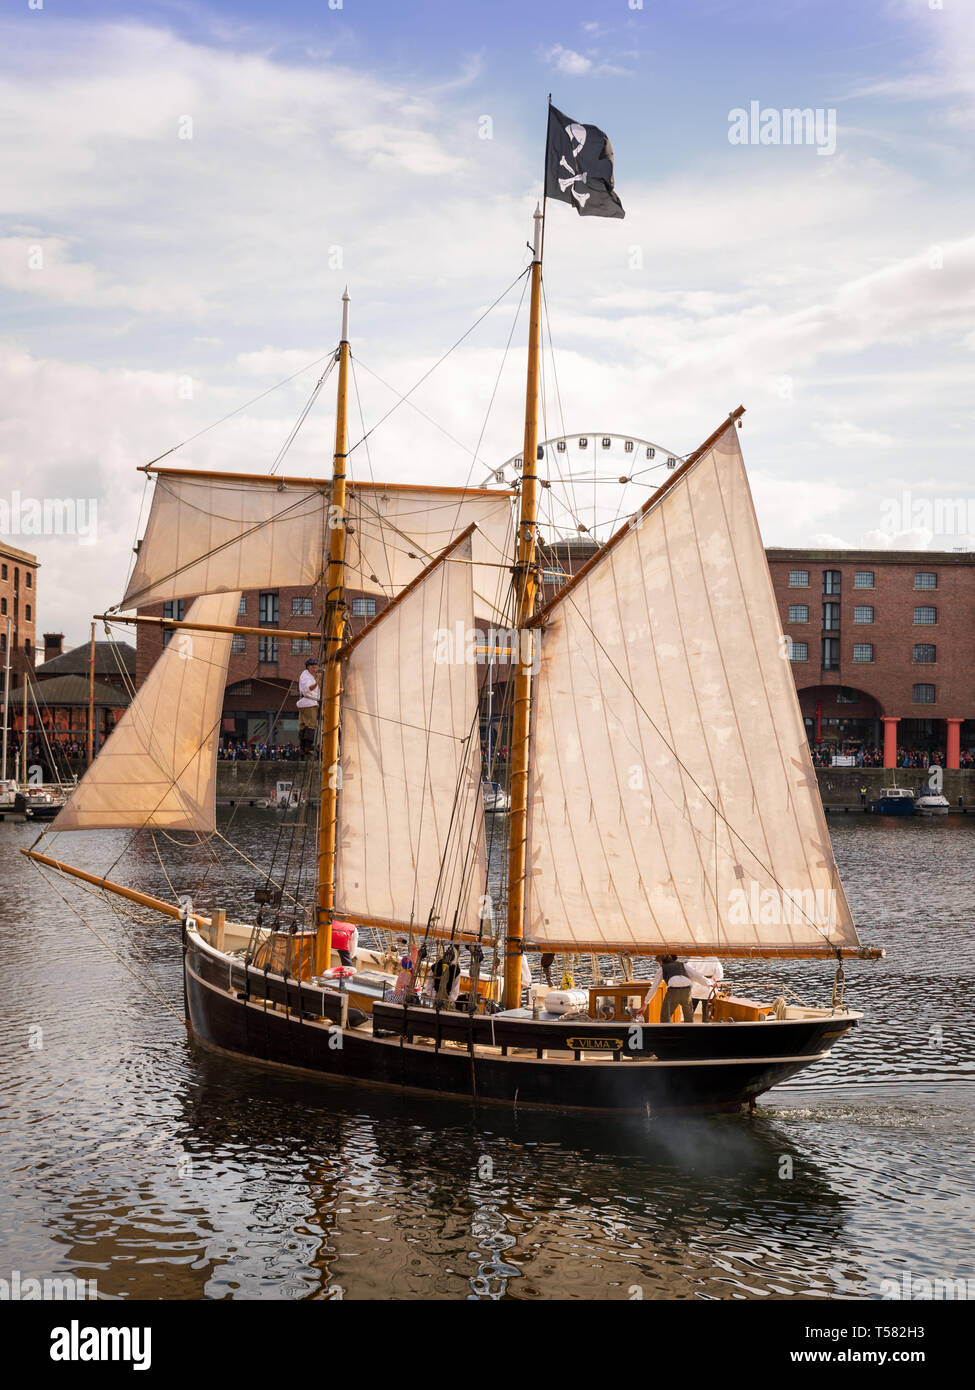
(679, 978)
(345, 940)
(309, 695)
(711, 967)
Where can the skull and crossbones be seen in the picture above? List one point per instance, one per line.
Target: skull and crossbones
(575, 132)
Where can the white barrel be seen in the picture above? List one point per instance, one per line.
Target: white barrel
(560, 1001)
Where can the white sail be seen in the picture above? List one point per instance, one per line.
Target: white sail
(411, 823)
(210, 533)
(673, 802)
(158, 767)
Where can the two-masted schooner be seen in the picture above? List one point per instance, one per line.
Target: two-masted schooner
(662, 796)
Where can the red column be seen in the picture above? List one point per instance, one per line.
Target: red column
(890, 740)
(954, 743)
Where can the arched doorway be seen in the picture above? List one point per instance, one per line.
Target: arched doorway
(842, 719)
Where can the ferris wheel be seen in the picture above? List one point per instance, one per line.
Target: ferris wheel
(566, 450)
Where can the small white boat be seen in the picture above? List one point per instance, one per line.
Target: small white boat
(496, 799)
(932, 804)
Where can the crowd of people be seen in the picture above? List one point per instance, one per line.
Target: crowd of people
(872, 756)
(239, 750)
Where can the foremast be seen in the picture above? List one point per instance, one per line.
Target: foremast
(526, 587)
(333, 608)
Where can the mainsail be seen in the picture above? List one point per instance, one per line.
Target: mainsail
(673, 802)
(211, 532)
(411, 824)
(158, 768)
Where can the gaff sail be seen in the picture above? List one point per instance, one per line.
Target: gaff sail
(673, 802)
(212, 532)
(411, 821)
(159, 766)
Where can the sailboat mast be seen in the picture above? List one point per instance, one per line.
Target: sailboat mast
(526, 588)
(334, 606)
(6, 702)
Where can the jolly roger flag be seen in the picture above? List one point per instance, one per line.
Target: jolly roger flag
(579, 167)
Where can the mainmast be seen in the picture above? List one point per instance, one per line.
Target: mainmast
(334, 611)
(525, 589)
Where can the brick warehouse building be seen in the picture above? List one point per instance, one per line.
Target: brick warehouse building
(882, 644)
(882, 647)
(18, 602)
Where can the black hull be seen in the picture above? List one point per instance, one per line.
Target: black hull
(677, 1066)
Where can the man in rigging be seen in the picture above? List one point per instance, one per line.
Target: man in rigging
(309, 695)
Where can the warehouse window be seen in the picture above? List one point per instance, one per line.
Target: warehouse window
(363, 608)
(863, 651)
(863, 615)
(799, 613)
(300, 646)
(301, 607)
(798, 651)
(238, 644)
(863, 579)
(798, 579)
(267, 649)
(923, 695)
(925, 652)
(926, 580)
(925, 616)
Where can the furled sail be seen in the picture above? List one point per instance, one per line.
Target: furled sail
(673, 802)
(411, 822)
(211, 532)
(159, 765)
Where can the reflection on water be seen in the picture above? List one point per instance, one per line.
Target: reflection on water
(161, 1171)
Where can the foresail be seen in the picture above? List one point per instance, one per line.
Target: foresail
(411, 822)
(210, 533)
(673, 802)
(159, 765)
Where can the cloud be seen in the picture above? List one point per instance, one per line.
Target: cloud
(568, 61)
(844, 434)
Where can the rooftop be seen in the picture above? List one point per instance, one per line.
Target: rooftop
(111, 659)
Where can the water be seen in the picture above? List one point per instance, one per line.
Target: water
(135, 1159)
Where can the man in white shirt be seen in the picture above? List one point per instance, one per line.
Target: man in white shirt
(309, 695)
(680, 978)
(712, 968)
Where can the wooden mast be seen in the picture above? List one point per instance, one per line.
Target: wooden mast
(334, 610)
(91, 697)
(526, 587)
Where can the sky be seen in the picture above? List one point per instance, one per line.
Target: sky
(186, 189)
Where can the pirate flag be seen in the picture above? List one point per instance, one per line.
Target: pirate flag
(579, 167)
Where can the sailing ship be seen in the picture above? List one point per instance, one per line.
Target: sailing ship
(662, 799)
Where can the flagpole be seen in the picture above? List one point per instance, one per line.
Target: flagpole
(548, 122)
